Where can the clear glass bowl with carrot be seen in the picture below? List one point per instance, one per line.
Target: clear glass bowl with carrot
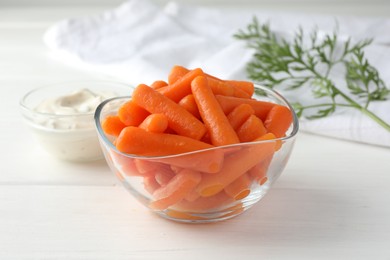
(196, 148)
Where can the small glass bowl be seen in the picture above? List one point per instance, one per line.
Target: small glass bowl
(262, 162)
(70, 137)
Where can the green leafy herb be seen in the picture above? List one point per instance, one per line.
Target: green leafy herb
(308, 62)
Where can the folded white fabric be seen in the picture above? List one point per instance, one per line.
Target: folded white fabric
(139, 42)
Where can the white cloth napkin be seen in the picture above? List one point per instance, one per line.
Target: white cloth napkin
(139, 42)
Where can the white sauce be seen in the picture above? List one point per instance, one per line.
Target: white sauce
(66, 126)
(70, 108)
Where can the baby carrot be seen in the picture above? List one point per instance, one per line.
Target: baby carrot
(177, 188)
(239, 93)
(245, 86)
(203, 204)
(240, 188)
(145, 166)
(134, 140)
(112, 125)
(263, 180)
(188, 102)
(181, 87)
(156, 123)
(222, 87)
(219, 87)
(176, 73)
(234, 166)
(179, 119)
(150, 184)
(239, 115)
(229, 103)
(252, 128)
(131, 114)
(158, 84)
(206, 138)
(259, 171)
(163, 176)
(216, 122)
(278, 120)
(192, 195)
(271, 136)
(204, 161)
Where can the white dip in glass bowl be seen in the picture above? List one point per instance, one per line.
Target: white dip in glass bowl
(61, 116)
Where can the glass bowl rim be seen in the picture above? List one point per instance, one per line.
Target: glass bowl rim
(103, 136)
(29, 109)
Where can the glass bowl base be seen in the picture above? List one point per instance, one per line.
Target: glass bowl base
(216, 215)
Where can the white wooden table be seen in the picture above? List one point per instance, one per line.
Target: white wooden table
(332, 202)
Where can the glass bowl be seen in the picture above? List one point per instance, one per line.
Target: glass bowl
(63, 133)
(218, 196)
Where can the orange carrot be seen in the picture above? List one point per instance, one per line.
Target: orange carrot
(204, 161)
(263, 180)
(150, 184)
(188, 102)
(229, 103)
(158, 84)
(271, 136)
(234, 166)
(259, 171)
(192, 195)
(239, 93)
(156, 123)
(219, 87)
(182, 87)
(145, 166)
(216, 122)
(251, 129)
(112, 125)
(240, 188)
(174, 168)
(206, 138)
(239, 115)
(179, 71)
(222, 87)
(134, 140)
(131, 114)
(245, 86)
(278, 120)
(203, 204)
(164, 176)
(267, 136)
(177, 188)
(179, 119)
(176, 73)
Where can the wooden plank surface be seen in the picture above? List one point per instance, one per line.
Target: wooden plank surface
(84, 222)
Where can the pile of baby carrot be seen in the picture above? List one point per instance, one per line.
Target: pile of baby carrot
(191, 113)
